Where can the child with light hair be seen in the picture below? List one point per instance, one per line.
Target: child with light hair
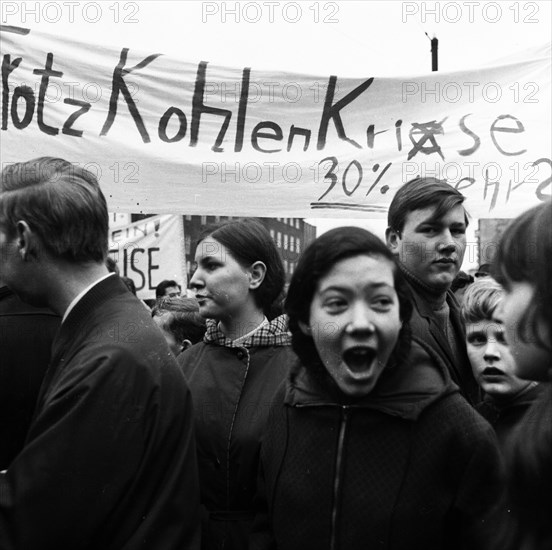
(507, 397)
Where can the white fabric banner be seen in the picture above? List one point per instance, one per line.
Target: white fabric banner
(149, 251)
(170, 135)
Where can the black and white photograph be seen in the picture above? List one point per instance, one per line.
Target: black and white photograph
(276, 275)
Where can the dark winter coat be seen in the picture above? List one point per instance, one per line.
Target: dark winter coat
(410, 466)
(109, 462)
(232, 389)
(505, 414)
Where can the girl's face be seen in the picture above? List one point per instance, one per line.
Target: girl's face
(532, 361)
(220, 283)
(354, 321)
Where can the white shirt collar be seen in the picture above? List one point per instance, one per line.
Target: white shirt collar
(78, 297)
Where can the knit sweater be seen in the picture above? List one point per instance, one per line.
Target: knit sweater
(409, 466)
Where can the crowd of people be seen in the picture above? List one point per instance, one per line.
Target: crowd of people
(367, 406)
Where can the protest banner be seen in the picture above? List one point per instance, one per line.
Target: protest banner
(149, 251)
(179, 135)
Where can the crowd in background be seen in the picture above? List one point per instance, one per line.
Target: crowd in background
(386, 400)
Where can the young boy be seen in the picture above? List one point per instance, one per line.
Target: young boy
(507, 397)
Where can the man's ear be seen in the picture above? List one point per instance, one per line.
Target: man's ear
(393, 240)
(27, 244)
(257, 273)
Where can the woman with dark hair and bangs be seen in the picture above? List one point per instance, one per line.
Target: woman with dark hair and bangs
(234, 372)
(366, 447)
(523, 265)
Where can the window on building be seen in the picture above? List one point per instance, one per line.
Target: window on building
(278, 239)
(292, 243)
(285, 241)
(298, 246)
(203, 220)
(272, 233)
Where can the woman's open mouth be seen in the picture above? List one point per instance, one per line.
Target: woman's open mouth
(359, 358)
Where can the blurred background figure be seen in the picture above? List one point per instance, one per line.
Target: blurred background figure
(507, 397)
(180, 321)
(167, 288)
(523, 265)
(26, 336)
(460, 284)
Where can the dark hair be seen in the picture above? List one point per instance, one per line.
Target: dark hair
(163, 285)
(525, 254)
(61, 202)
(182, 320)
(248, 241)
(422, 193)
(315, 262)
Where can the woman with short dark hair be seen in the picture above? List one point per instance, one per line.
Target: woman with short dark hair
(367, 445)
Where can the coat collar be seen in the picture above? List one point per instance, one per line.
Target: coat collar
(403, 391)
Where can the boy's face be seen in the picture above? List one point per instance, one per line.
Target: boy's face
(432, 250)
(491, 361)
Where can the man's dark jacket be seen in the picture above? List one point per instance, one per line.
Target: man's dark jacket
(109, 462)
(26, 336)
(427, 328)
